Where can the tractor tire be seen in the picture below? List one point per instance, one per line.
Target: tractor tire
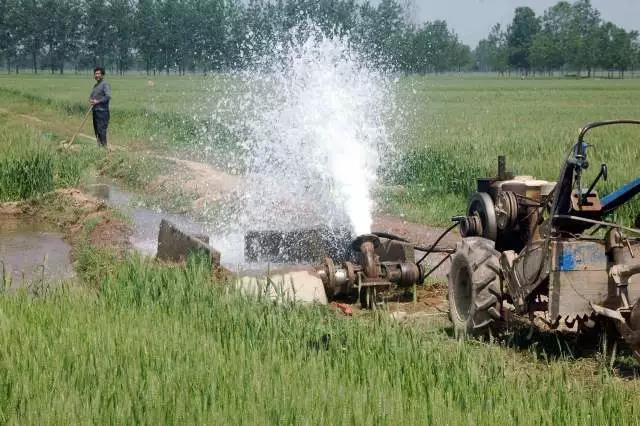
(474, 287)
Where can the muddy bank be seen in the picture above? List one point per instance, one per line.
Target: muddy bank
(40, 238)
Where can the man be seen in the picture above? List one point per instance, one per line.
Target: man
(99, 100)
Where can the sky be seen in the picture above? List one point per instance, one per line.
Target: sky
(472, 19)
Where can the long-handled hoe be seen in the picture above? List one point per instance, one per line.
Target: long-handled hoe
(84, 120)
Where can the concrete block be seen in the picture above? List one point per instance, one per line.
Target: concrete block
(297, 246)
(298, 286)
(175, 245)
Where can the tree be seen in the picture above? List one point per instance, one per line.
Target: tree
(551, 47)
(145, 34)
(544, 54)
(30, 20)
(461, 56)
(8, 32)
(380, 33)
(616, 47)
(98, 40)
(189, 35)
(635, 51)
(61, 36)
(494, 51)
(520, 35)
(208, 35)
(122, 32)
(583, 36)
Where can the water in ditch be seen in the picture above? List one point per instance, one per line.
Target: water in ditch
(146, 223)
(32, 253)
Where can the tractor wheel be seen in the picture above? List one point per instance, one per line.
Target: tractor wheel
(474, 287)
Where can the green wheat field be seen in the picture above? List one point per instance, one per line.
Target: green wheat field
(131, 341)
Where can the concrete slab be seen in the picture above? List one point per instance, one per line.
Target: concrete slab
(305, 245)
(175, 245)
(298, 286)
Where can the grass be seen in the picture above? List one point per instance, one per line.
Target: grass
(165, 344)
(31, 165)
(453, 129)
(146, 343)
(449, 130)
(166, 113)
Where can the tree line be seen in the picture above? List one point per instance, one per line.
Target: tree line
(207, 35)
(568, 36)
(212, 35)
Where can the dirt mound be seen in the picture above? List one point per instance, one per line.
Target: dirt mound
(11, 209)
(80, 200)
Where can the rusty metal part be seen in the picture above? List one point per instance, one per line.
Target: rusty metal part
(403, 274)
(524, 272)
(328, 276)
(622, 273)
(471, 226)
(585, 203)
(628, 244)
(578, 277)
(634, 317)
(596, 222)
(629, 330)
(481, 205)
(622, 269)
(506, 206)
(359, 243)
(614, 240)
(365, 246)
(634, 324)
(357, 278)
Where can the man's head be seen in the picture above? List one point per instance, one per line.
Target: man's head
(98, 73)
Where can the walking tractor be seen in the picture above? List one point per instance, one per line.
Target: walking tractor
(548, 250)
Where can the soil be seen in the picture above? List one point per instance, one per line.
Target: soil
(203, 182)
(417, 233)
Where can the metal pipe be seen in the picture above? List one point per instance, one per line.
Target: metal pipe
(595, 124)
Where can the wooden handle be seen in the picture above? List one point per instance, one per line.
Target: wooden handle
(84, 120)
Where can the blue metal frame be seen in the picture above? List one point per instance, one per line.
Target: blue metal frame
(620, 196)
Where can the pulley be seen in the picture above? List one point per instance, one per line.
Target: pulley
(481, 218)
(506, 208)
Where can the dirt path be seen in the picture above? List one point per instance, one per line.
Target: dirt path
(414, 232)
(206, 183)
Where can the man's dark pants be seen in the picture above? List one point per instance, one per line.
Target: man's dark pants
(100, 124)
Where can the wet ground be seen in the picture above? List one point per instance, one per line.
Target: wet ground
(231, 243)
(146, 223)
(32, 252)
